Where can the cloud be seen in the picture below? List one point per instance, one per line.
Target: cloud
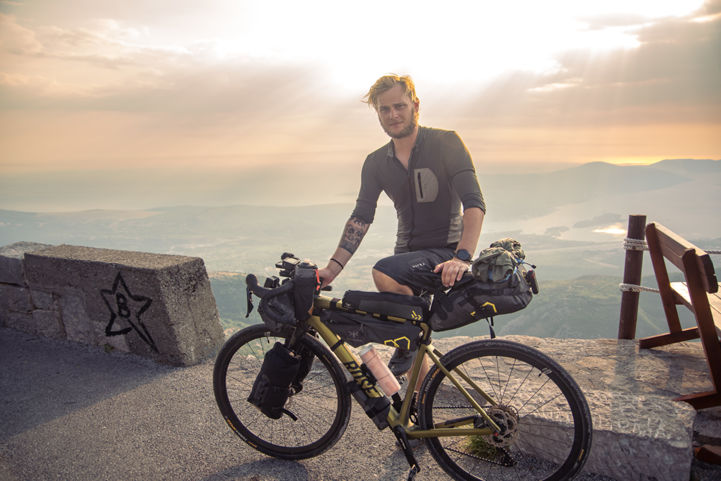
(671, 77)
(147, 79)
(114, 67)
(16, 39)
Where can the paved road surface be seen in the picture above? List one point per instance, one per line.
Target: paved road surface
(73, 412)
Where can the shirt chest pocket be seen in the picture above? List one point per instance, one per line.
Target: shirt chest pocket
(426, 185)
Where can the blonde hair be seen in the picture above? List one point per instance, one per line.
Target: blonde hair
(386, 83)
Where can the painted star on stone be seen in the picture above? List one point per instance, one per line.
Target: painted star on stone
(125, 309)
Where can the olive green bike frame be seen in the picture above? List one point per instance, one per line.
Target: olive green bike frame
(353, 365)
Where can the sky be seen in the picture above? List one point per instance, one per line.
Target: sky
(114, 98)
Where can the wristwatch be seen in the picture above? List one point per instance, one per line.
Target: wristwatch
(463, 255)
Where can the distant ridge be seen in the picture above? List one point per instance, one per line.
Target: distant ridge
(546, 191)
(685, 165)
(571, 220)
(144, 189)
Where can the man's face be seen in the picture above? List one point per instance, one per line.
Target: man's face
(397, 114)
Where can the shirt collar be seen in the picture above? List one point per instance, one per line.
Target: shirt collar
(419, 140)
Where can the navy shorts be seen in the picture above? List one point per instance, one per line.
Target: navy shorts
(415, 269)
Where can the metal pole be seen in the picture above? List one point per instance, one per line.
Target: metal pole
(632, 275)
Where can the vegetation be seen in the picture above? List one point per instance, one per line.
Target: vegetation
(478, 446)
(584, 308)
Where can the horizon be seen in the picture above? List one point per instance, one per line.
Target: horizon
(230, 187)
(151, 93)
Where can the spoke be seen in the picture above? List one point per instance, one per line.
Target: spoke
(534, 394)
(523, 383)
(510, 374)
(490, 382)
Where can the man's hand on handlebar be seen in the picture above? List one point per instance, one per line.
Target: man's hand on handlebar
(327, 275)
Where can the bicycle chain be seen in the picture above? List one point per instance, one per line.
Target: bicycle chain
(507, 461)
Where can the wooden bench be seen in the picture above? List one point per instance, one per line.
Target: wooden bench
(699, 292)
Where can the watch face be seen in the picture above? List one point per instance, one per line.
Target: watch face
(463, 255)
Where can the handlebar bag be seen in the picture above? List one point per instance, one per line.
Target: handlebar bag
(472, 300)
(271, 388)
(359, 329)
(306, 286)
(278, 311)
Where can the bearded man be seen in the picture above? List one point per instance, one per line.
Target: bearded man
(429, 175)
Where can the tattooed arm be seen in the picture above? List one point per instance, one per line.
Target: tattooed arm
(353, 233)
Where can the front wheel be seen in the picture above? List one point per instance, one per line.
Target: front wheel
(320, 410)
(544, 418)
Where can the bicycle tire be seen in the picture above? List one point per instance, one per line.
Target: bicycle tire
(545, 421)
(322, 407)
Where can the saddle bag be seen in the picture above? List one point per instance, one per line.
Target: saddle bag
(500, 284)
(359, 329)
(474, 300)
(271, 388)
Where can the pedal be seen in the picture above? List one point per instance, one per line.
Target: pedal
(407, 451)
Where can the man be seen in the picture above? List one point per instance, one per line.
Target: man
(429, 175)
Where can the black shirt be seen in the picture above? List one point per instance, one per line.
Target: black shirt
(428, 195)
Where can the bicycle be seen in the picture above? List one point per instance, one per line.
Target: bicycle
(489, 409)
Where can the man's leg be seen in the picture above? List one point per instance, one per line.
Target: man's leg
(402, 360)
(411, 268)
(385, 283)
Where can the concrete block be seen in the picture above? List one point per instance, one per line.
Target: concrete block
(78, 325)
(43, 300)
(641, 437)
(11, 261)
(22, 321)
(15, 298)
(47, 324)
(115, 342)
(707, 426)
(188, 296)
(161, 305)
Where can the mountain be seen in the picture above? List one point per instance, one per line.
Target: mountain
(571, 223)
(533, 195)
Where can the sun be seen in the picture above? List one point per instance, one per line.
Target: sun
(468, 41)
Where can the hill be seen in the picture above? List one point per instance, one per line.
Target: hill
(583, 308)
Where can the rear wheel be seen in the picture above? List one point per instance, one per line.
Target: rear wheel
(321, 408)
(544, 418)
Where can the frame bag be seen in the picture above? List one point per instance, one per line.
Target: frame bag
(387, 304)
(359, 329)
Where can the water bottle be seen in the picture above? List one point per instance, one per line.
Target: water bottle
(386, 380)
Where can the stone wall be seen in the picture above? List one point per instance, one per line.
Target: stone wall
(154, 305)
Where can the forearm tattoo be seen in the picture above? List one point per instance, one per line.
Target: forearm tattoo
(355, 230)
